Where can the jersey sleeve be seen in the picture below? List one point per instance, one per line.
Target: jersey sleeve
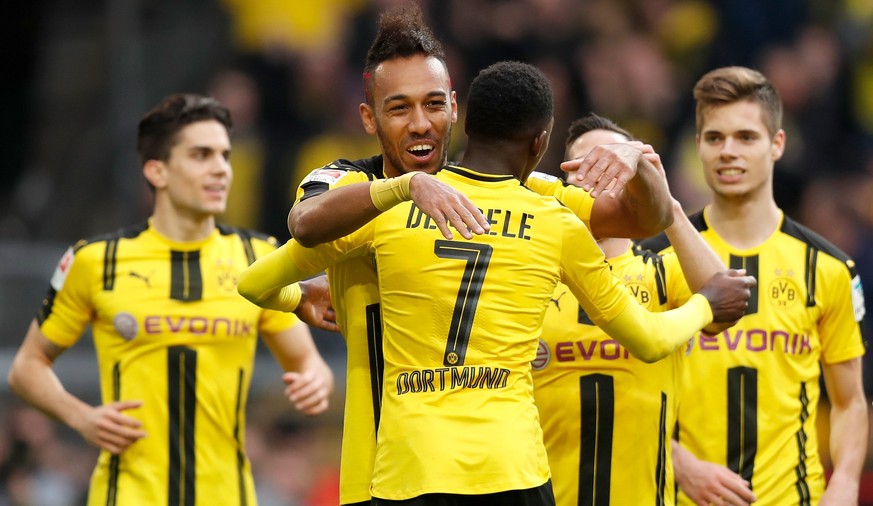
(265, 282)
(574, 198)
(271, 321)
(842, 313)
(327, 178)
(68, 308)
(648, 336)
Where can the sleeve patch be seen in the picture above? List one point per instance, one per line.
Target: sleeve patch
(858, 298)
(326, 175)
(60, 275)
(543, 176)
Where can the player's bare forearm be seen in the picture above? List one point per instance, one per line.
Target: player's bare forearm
(32, 378)
(331, 215)
(647, 200)
(848, 430)
(642, 209)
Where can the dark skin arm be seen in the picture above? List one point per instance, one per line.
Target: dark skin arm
(340, 211)
(631, 197)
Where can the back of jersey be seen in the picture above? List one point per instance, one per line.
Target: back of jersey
(462, 321)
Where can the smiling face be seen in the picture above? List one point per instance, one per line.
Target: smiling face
(412, 112)
(195, 179)
(737, 151)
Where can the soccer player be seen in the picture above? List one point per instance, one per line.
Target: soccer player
(175, 341)
(462, 318)
(598, 404)
(411, 107)
(750, 395)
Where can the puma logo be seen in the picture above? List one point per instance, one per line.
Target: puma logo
(558, 300)
(139, 276)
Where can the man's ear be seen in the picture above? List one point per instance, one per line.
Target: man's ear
(454, 102)
(539, 144)
(155, 172)
(778, 145)
(368, 118)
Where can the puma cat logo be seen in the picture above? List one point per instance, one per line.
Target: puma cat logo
(558, 300)
(145, 279)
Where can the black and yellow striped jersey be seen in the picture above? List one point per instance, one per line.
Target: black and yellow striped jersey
(355, 297)
(750, 394)
(461, 323)
(170, 330)
(608, 417)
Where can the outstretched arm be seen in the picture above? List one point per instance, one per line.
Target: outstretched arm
(341, 211)
(32, 378)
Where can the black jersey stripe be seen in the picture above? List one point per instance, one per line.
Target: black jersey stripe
(110, 256)
(750, 264)
(377, 360)
(800, 470)
(742, 412)
(809, 274)
(182, 386)
(115, 460)
(475, 176)
(597, 401)
(661, 470)
(240, 454)
(47, 305)
(186, 283)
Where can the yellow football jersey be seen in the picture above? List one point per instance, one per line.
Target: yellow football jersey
(354, 292)
(355, 297)
(750, 394)
(461, 322)
(607, 417)
(170, 330)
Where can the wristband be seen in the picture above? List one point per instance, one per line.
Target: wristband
(387, 193)
(289, 297)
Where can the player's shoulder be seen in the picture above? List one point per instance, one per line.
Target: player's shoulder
(538, 180)
(364, 169)
(815, 242)
(661, 244)
(253, 242)
(95, 245)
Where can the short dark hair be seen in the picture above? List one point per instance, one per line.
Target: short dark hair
(402, 34)
(158, 128)
(589, 122)
(508, 100)
(727, 85)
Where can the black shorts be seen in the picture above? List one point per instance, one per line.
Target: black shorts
(537, 496)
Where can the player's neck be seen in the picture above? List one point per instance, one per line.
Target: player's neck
(743, 223)
(176, 227)
(498, 158)
(613, 246)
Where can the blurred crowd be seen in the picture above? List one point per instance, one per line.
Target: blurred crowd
(290, 71)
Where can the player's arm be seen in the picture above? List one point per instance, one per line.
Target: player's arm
(637, 203)
(648, 336)
(271, 281)
(341, 211)
(707, 483)
(308, 378)
(698, 260)
(848, 430)
(32, 377)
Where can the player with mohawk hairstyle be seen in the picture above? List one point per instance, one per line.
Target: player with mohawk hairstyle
(411, 107)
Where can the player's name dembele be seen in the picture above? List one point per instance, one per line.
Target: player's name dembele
(503, 222)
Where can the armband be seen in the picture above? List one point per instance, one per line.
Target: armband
(387, 193)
